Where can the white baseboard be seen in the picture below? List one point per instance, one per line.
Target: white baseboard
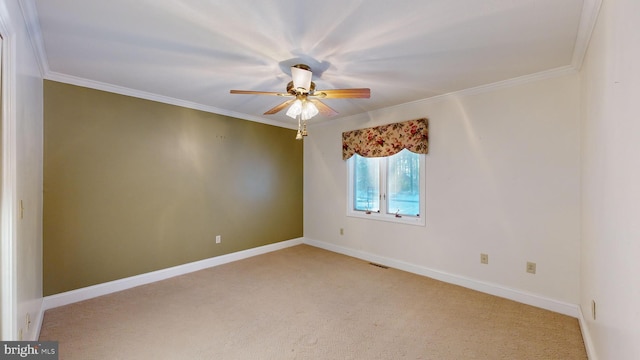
(572, 310)
(73, 296)
(89, 292)
(38, 325)
(70, 297)
(586, 335)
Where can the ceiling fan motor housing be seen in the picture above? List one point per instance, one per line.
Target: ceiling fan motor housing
(302, 66)
(293, 91)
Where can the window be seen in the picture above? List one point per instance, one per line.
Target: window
(386, 167)
(387, 188)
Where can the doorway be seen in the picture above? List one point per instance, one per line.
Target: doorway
(8, 297)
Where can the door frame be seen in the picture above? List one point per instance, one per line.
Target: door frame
(8, 182)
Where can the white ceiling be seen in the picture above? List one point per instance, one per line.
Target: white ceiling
(192, 52)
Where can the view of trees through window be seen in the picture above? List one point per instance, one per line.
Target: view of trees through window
(366, 183)
(395, 180)
(403, 183)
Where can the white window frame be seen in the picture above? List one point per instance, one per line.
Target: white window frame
(383, 215)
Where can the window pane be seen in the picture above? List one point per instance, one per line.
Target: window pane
(366, 178)
(403, 183)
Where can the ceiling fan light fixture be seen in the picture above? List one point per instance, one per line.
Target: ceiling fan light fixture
(295, 109)
(309, 110)
(305, 109)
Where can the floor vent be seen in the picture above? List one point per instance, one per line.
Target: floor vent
(378, 265)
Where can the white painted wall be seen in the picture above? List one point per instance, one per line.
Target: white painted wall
(611, 181)
(503, 178)
(26, 101)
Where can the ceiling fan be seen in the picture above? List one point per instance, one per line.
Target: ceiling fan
(305, 99)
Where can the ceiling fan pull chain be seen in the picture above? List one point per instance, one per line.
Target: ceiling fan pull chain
(299, 134)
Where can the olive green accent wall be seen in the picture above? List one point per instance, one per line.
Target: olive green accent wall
(133, 186)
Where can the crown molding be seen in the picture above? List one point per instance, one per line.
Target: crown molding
(30, 15)
(525, 79)
(590, 11)
(521, 80)
(97, 85)
(589, 16)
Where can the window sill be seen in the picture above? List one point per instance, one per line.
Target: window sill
(404, 219)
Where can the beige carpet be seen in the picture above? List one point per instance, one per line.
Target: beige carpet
(307, 303)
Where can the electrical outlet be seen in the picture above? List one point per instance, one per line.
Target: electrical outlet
(28, 321)
(531, 267)
(593, 309)
(218, 239)
(20, 335)
(341, 231)
(484, 259)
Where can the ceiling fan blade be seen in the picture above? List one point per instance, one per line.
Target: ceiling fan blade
(360, 93)
(251, 92)
(323, 108)
(279, 107)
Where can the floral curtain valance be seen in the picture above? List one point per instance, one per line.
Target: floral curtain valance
(387, 140)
